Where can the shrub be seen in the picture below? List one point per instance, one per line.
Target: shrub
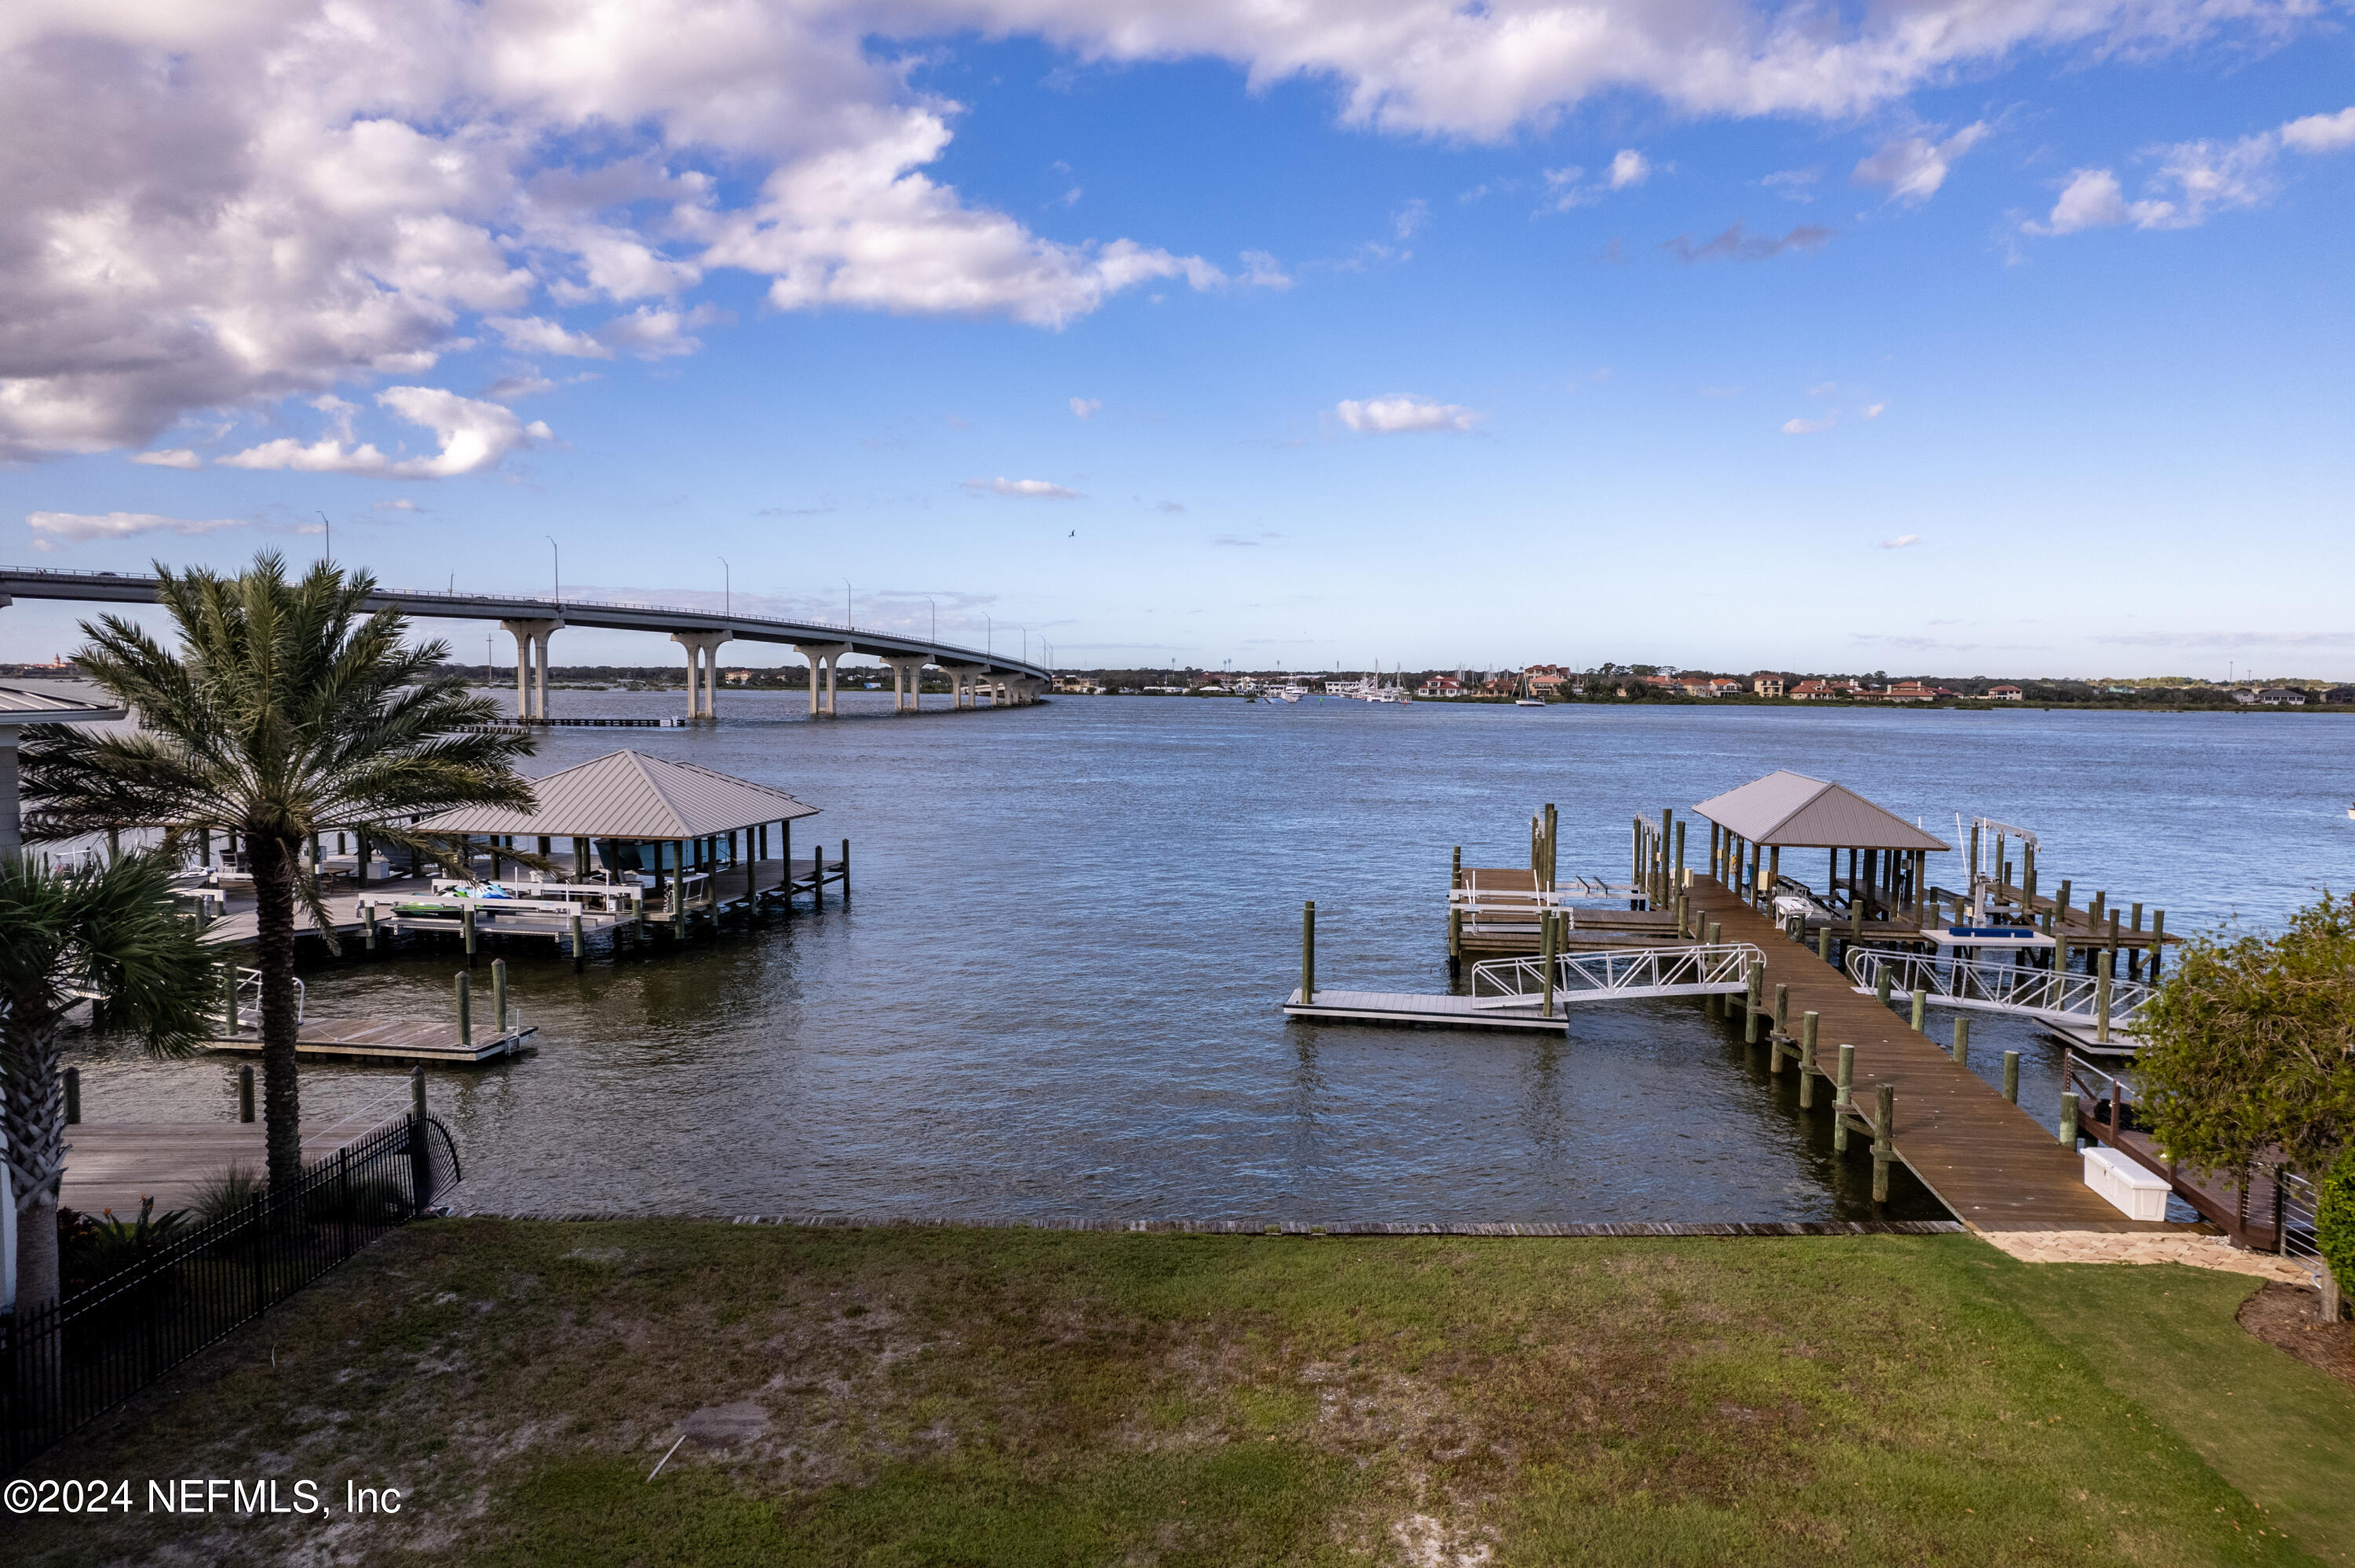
(2334, 1222)
(229, 1192)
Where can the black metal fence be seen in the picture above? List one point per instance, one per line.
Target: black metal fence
(65, 1363)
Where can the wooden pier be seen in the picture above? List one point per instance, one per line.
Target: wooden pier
(390, 1043)
(1993, 1165)
(113, 1165)
(1411, 1007)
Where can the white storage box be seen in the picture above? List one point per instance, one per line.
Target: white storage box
(2133, 1191)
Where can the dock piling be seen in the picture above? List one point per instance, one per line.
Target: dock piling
(1843, 1100)
(1962, 1042)
(245, 1094)
(1750, 1011)
(575, 933)
(367, 924)
(466, 1009)
(1921, 1008)
(1782, 1008)
(1881, 985)
(2101, 997)
(1824, 943)
(1884, 1145)
(228, 998)
(2011, 1076)
(2069, 1119)
(466, 922)
(498, 996)
(1807, 1061)
(2158, 941)
(1308, 951)
(73, 1097)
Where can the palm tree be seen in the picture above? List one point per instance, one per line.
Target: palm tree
(287, 711)
(113, 931)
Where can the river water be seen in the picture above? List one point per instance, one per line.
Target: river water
(1056, 991)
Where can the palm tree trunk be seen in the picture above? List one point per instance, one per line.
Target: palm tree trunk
(273, 860)
(35, 1115)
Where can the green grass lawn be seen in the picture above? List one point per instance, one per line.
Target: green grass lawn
(912, 1396)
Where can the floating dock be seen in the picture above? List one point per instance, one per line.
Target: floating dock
(390, 1043)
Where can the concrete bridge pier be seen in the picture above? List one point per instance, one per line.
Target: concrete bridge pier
(531, 665)
(829, 655)
(906, 682)
(702, 671)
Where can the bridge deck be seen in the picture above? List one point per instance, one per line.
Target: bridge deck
(1986, 1159)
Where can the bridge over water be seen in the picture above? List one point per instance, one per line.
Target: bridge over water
(534, 621)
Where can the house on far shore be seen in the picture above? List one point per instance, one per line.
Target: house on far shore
(2281, 697)
(1908, 691)
(2339, 694)
(1440, 686)
(1766, 685)
(2005, 693)
(1822, 691)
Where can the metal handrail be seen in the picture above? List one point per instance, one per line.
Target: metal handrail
(2060, 996)
(1708, 968)
(251, 980)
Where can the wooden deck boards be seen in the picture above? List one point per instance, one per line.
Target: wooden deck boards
(112, 1165)
(1408, 1007)
(396, 1041)
(1988, 1160)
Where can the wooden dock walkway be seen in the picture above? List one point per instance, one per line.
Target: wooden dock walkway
(1994, 1166)
(389, 1042)
(113, 1165)
(1410, 1007)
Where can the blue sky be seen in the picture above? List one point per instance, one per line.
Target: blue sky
(2027, 358)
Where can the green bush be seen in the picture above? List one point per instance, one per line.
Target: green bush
(2334, 1222)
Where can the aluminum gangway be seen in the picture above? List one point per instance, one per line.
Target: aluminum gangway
(1708, 968)
(1994, 985)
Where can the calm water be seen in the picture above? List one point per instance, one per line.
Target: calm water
(1057, 990)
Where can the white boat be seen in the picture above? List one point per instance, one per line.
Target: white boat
(1527, 703)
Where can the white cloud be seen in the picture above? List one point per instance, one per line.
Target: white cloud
(2321, 133)
(215, 204)
(70, 525)
(1903, 542)
(1823, 389)
(1411, 219)
(1261, 270)
(1914, 167)
(1629, 167)
(1794, 184)
(1810, 426)
(2195, 180)
(401, 505)
(473, 436)
(1873, 410)
(171, 457)
(1021, 489)
(537, 334)
(1401, 413)
(1086, 408)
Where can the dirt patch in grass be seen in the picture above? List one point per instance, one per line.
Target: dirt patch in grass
(2289, 1318)
(919, 1396)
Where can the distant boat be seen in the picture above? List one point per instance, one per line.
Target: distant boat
(1534, 703)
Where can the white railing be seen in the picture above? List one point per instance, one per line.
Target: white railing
(249, 1000)
(2062, 997)
(1617, 974)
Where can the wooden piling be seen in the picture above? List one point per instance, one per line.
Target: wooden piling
(368, 927)
(498, 996)
(466, 1009)
(1882, 985)
(1843, 1100)
(2157, 940)
(228, 998)
(845, 871)
(466, 923)
(1884, 1143)
(1961, 1041)
(2011, 1076)
(2069, 1119)
(1782, 1008)
(1749, 1013)
(1807, 1061)
(1308, 951)
(73, 1097)
(578, 958)
(1921, 1008)
(1824, 943)
(2102, 997)
(245, 1094)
